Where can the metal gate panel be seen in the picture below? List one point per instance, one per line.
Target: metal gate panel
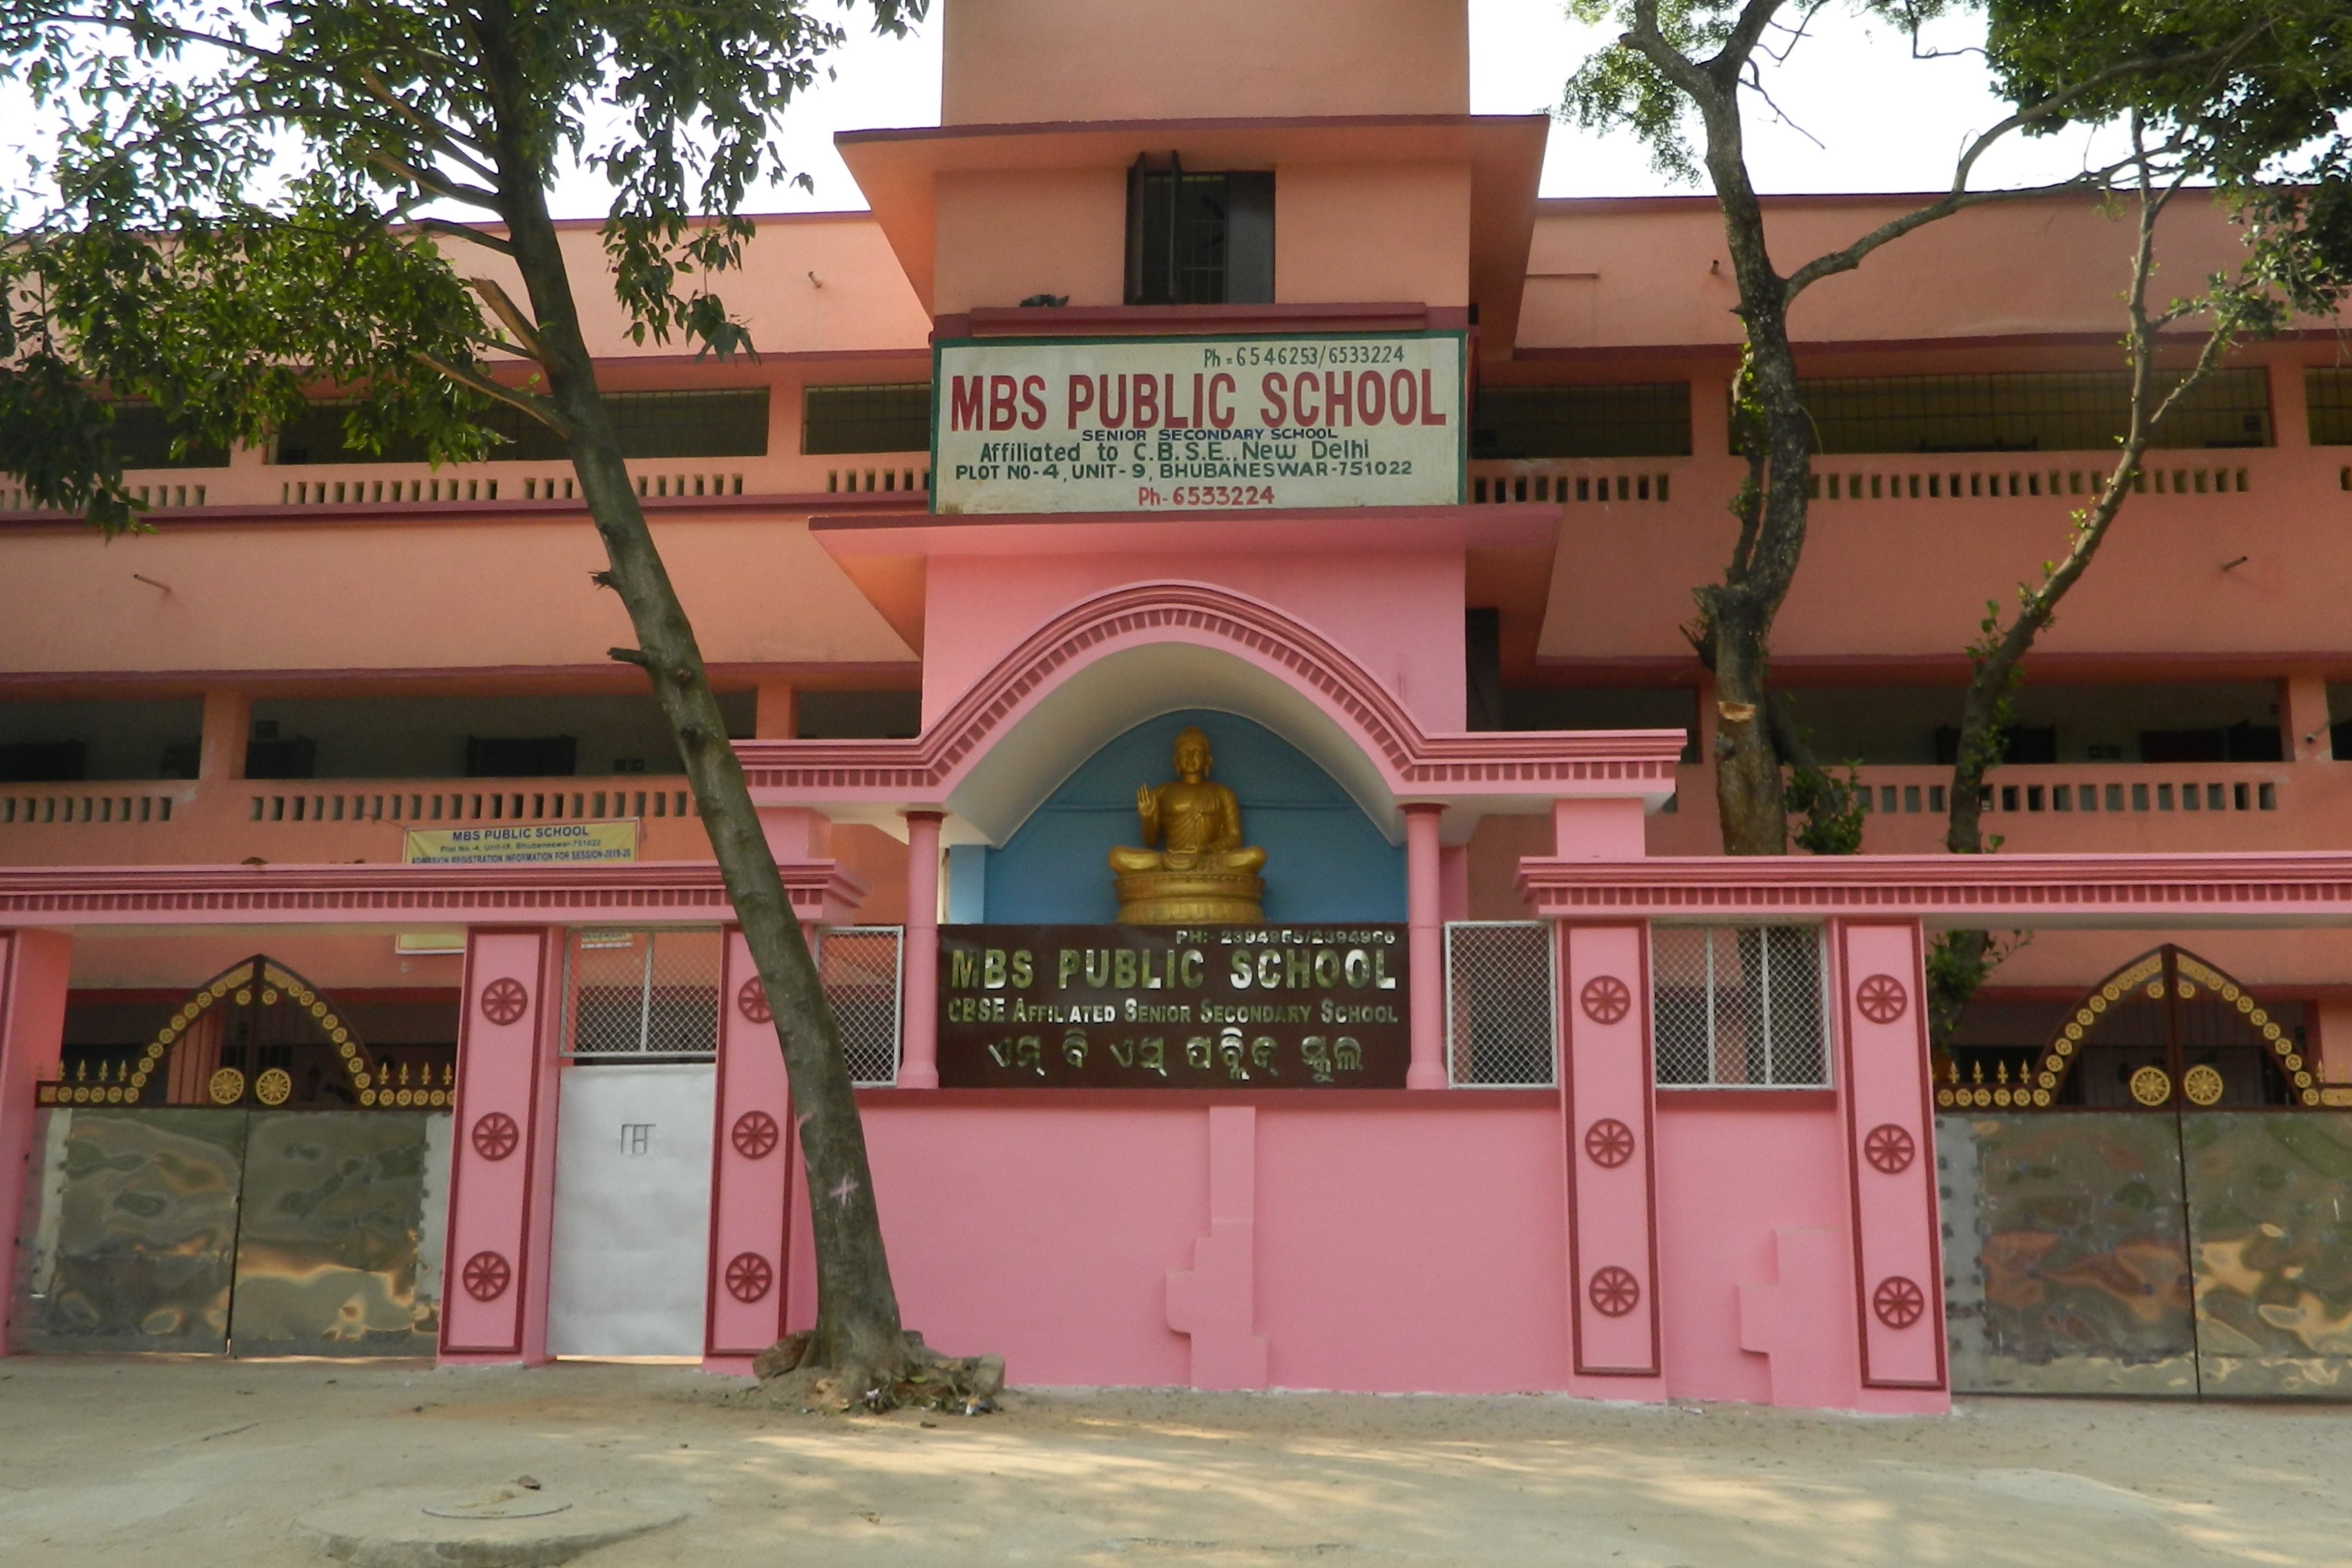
(335, 1216)
(132, 1239)
(632, 1209)
(2269, 1217)
(2065, 1255)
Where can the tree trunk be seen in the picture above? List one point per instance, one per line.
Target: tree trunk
(1736, 614)
(857, 1325)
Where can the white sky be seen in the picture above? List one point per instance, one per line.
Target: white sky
(1884, 121)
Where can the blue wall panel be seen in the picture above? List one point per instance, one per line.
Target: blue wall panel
(1324, 860)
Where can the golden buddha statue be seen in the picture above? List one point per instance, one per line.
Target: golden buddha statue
(1201, 873)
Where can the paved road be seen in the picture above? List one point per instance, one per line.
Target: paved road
(201, 1462)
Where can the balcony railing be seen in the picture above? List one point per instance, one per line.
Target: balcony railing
(95, 802)
(2112, 788)
(471, 800)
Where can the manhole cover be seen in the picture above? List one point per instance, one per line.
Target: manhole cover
(503, 1503)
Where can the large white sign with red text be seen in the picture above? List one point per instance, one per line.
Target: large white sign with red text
(1198, 424)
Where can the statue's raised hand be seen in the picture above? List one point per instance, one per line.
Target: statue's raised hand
(1147, 804)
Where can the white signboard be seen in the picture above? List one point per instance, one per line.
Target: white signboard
(1198, 424)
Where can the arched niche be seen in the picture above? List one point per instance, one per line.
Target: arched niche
(1060, 730)
(1326, 859)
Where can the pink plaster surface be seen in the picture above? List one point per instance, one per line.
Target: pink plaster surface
(35, 968)
(750, 1192)
(1884, 1076)
(1713, 1156)
(1214, 1303)
(1604, 1007)
(502, 1206)
(1044, 1234)
(1413, 1248)
(1399, 617)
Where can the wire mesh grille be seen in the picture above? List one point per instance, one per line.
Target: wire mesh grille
(639, 994)
(1498, 1004)
(1739, 1006)
(858, 967)
(2327, 393)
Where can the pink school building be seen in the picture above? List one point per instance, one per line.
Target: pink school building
(368, 988)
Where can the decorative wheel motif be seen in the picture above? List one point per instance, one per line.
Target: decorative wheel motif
(495, 1135)
(755, 1135)
(505, 1001)
(1614, 1292)
(487, 1276)
(2202, 1085)
(749, 1277)
(1605, 999)
(1889, 1148)
(226, 1087)
(1608, 1142)
(1882, 999)
(2151, 1086)
(274, 1086)
(751, 1001)
(1898, 1302)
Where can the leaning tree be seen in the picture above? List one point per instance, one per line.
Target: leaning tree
(237, 201)
(1680, 66)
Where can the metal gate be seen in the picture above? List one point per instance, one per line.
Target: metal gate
(632, 1209)
(245, 1232)
(2158, 1201)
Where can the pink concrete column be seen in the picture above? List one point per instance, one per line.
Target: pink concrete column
(1879, 983)
(1606, 1090)
(918, 1017)
(35, 967)
(502, 1170)
(2304, 719)
(755, 1156)
(2335, 1022)
(1424, 895)
(228, 725)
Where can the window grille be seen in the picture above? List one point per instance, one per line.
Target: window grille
(895, 418)
(1646, 421)
(1737, 1006)
(2328, 394)
(1498, 1004)
(725, 424)
(859, 968)
(641, 995)
(2070, 411)
(142, 436)
(1199, 239)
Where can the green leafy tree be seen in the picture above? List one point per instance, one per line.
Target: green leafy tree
(247, 200)
(1682, 76)
(2256, 128)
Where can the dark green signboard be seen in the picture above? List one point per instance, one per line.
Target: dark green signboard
(1301, 1007)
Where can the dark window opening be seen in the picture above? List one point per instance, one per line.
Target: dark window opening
(2237, 743)
(44, 762)
(282, 757)
(2070, 411)
(1646, 421)
(1199, 239)
(1482, 647)
(526, 757)
(2021, 744)
(866, 418)
(144, 435)
(2328, 396)
(732, 423)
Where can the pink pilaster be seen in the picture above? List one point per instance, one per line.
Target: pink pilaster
(1424, 896)
(1880, 983)
(502, 1175)
(35, 966)
(753, 1155)
(919, 1028)
(1606, 1107)
(1215, 1302)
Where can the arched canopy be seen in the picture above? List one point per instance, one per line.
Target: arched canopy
(1112, 661)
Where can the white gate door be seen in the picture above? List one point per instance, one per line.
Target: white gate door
(632, 1209)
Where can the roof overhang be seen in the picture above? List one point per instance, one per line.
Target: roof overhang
(899, 171)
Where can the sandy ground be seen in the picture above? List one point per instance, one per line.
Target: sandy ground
(197, 1463)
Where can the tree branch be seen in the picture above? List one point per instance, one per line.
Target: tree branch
(502, 305)
(538, 407)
